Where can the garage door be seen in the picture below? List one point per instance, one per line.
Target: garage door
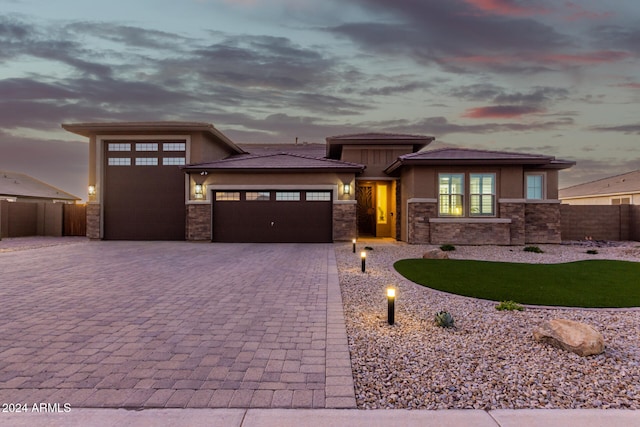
(144, 191)
(272, 216)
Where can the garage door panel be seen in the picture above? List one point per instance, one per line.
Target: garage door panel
(272, 221)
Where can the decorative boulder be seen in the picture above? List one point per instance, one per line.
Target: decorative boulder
(435, 254)
(569, 335)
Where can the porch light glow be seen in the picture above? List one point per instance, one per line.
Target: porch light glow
(346, 189)
(198, 191)
(363, 257)
(92, 190)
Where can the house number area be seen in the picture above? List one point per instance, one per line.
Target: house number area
(36, 407)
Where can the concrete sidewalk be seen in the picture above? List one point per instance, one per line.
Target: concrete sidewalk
(325, 418)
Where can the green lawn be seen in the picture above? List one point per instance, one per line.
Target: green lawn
(593, 283)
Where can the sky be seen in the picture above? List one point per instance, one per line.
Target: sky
(552, 77)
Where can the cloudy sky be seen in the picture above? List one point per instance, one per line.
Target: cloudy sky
(543, 76)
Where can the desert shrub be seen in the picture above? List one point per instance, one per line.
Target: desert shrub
(509, 306)
(447, 248)
(534, 249)
(592, 252)
(444, 319)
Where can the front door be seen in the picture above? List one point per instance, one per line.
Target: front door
(366, 210)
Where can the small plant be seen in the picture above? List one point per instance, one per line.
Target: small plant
(534, 249)
(444, 319)
(509, 306)
(592, 252)
(447, 248)
(368, 248)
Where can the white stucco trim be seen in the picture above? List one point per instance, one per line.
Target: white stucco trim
(471, 220)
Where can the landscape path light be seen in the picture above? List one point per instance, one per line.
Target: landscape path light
(363, 257)
(354, 245)
(391, 301)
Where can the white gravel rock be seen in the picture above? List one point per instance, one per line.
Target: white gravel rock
(490, 360)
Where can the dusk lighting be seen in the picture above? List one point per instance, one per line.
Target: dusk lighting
(347, 189)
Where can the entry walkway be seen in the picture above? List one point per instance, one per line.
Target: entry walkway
(173, 325)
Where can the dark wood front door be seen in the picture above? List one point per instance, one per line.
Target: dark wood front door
(366, 210)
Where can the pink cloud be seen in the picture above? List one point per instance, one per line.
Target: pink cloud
(599, 57)
(578, 13)
(506, 8)
(629, 85)
(500, 111)
(481, 59)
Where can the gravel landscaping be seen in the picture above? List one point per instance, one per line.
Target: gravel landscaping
(489, 360)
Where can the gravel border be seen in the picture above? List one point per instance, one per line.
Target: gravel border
(490, 360)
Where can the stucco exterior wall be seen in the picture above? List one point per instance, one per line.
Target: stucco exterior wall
(376, 157)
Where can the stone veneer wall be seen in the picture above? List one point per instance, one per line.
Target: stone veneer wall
(516, 213)
(93, 220)
(542, 223)
(344, 221)
(419, 230)
(470, 233)
(198, 225)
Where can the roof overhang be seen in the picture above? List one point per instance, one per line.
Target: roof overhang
(335, 143)
(92, 129)
(537, 163)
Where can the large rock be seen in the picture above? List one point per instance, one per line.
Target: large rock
(435, 254)
(577, 337)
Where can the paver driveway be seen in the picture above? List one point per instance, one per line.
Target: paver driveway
(173, 324)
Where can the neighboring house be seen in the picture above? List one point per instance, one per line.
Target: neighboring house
(180, 180)
(18, 187)
(615, 190)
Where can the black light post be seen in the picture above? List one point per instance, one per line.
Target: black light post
(363, 256)
(354, 245)
(391, 300)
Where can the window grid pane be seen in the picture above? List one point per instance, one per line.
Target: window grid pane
(534, 187)
(119, 161)
(146, 161)
(451, 189)
(227, 195)
(257, 195)
(173, 146)
(321, 196)
(147, 146)
(119, 147)
(283, 196)
(482, 195)
(170, 161)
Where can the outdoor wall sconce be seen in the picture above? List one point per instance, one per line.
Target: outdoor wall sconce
(391, 300)
(346, 189)
(92, 190)
(199, 192)
(354, 245)
(363, 257)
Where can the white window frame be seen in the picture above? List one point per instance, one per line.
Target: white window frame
(543, 185)
(449, 195)
(174, 146)
(173, 161)
(146, 146)
(257, 196)
(481, 195)
(146, 161)
(318, 196)
(118, 146)
(287, 196)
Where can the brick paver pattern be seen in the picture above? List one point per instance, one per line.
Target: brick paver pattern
(165, 324)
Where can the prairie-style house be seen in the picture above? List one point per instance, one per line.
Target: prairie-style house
(188, 181)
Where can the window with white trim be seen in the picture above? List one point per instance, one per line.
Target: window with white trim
(534, 186)
(482, 194)
(450, 194)
(227, 196)
(173, 146)
(146, 146)
(318, 196)
(285, 196)
(146, 161)
(119, 147)
(257, 195)
(119, 161)
(172, 161)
